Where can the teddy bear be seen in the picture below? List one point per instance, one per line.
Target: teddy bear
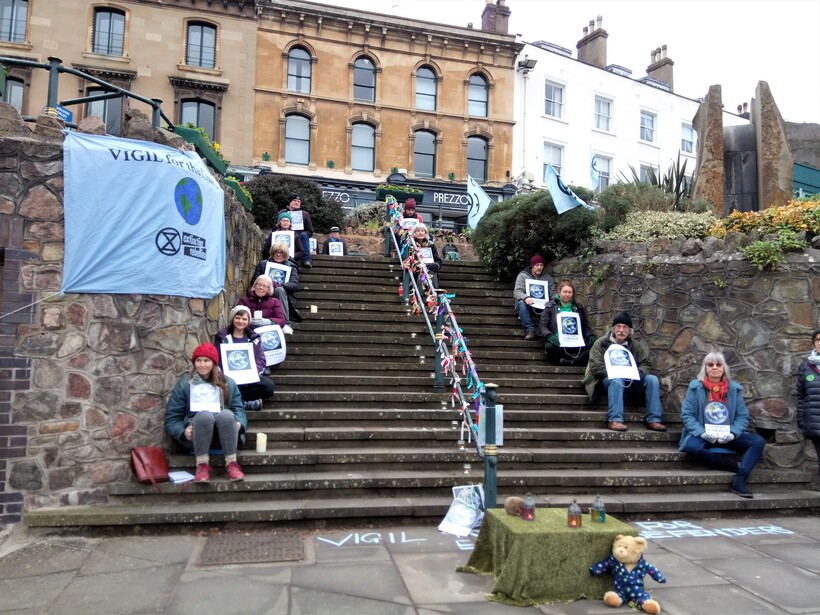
(629, 568)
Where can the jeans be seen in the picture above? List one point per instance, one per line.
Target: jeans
(280, 293)
(214, 431)
(525, 314)
(305, 239)
(748, 445)
(616, 389)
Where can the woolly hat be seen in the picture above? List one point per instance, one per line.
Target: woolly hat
(622, 319)
(537, 259)
(410, 203)
(292, 196)
(206, 350)
(284, 214)
(335, 229)
(237, 310)
(815, 334)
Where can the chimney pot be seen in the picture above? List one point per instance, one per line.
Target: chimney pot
(591, 25)
(586, 30)
(598, 21)
(739, 109)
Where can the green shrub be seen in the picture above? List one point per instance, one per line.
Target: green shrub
(649, 225)
(375, 212)
(513, 230)
(270, 193)
(767, 253)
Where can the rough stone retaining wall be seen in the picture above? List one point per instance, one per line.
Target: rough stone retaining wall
(83, 378)
(688, 298)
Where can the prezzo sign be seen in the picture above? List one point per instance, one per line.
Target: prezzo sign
(449, 198)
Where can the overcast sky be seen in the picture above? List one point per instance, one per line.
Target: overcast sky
(734, 43)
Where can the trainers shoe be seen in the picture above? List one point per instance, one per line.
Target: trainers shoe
(234, 472)
(739, 488)
(287, 330)
(254, 404)
(203, 473)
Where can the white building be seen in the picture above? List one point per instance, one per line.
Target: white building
(569, 109)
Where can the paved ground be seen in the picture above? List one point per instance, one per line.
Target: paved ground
(722, 567)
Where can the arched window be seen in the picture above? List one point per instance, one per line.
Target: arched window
(108, 37)
(200, 113)
(109, 111)
(297, 140)
(426, 89)
(477, 158)
(299, 70)
(478, 96)
(13, 16)
(201, 45)
(364, 80)
(363, 147)
(14, 94)
(424, 154)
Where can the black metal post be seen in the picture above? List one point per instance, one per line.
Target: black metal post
(53, 78)
(439, 384)
(157, 112)
(490, 449)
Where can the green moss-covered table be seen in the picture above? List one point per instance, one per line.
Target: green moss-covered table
(540, 561)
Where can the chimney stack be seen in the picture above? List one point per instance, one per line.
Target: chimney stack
(496, 17)
(661, 67)
(592, 47)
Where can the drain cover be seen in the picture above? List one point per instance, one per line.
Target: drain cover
(251, 548)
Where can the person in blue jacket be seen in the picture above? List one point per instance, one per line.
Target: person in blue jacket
(201, 430)
(808, 401)
(715, 400)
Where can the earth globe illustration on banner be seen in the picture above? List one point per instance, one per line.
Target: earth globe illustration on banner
(238, 359)
(716, 413)
(188, 199)
(270, 340)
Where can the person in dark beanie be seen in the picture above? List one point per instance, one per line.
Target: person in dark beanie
(596, 380)
(808, 400)
(410, 210)
(304, 230)
(335, 237)
(523, 302)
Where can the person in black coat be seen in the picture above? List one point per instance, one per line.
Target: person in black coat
(564, 301)
(429, 253)
(284, 291)
(808, 401)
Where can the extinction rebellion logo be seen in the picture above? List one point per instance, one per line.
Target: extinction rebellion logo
(188, 201)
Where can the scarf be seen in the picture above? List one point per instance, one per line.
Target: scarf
(717, 392)
(814, 358)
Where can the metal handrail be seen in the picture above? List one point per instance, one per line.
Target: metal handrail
(54, 67)
(438, 302)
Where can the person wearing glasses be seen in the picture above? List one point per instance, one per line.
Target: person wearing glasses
(714, 423)
(808, 400)
(596, 380)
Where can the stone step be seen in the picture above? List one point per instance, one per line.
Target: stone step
(345, 303)
(360, 510)
(417, 382)
(386, 288)
(540, 370)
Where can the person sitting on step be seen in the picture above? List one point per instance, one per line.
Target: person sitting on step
(715, 416)
(284, 222)
(305, 231)
(808, 401)
(259, 298)
(335, 237)
(564, 301)
(429, 253)
(596, 380)
(523, 302)
(217, 420)
(283, 290)
(239, 331)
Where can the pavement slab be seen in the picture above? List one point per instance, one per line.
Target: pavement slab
(431, 578)
(679, 572)
(720, 600)
(21, 594)
(707, 548)
(805, 556)
(41, 559)
(479, 608)
(158, 549)
(305, 601)
(220, 595)
(365, 580)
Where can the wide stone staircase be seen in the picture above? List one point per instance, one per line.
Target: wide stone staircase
(357, 433)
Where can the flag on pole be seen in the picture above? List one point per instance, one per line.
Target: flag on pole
(593, 171)
(563, 198)
(479, 202)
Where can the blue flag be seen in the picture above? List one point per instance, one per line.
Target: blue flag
(563, 198)
(479, 202)
(140, 218)
(593, 171)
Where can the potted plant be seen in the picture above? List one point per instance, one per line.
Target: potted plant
(402, 193)
(242, 193)
(204, 147)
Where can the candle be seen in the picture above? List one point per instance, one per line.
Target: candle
(261, 443)
(314, 309)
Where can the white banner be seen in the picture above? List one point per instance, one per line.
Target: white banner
(140, 218)
(620, 363)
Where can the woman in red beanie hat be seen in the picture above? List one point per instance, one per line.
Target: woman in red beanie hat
(410, 210)
(205, 411)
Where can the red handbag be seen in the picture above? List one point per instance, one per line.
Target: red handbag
(149, 465)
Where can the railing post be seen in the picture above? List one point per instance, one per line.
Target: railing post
(53, 77)
(157, 112)
(439, 384)
(405, 286)
(490, 449)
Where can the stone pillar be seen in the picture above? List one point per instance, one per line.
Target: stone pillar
(775, 165)
(709, 175)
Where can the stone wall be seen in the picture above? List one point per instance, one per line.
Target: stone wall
(688, 298)
(84, 377)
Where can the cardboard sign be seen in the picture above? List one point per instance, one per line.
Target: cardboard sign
(569, 330)
(203, 397)
(539, 291)
(336, 248)
(273, 343)
(239, 363)
(408, 224)
(297, 220)
(466, 511)
(284, 237)
(620, 363)
(313, 244)
(277, 272)
(427, 255)
(716, 419)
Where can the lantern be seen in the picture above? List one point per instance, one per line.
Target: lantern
(574, 515)
(528, 510)
(597, 512)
